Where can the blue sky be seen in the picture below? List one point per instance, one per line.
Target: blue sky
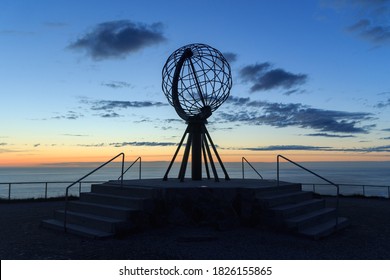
(81, 80)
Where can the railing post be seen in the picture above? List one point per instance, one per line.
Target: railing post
(337, 205)
(123, 166)
(9, 191)
(46, 190)
(140, 167)
(242, 167)
(79, 188)
(277, 168)
(66, 210)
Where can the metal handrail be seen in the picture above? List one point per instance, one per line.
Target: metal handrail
(140, 166)
(46, 185)
(242, 165)
(363, 186)
(85, 176)
(315, 174)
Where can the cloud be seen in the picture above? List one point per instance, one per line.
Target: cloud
(230, 57)
(110, 115)
(117, 84)
(314, 148)
(251, 72)
(295, 114)
(114, 104)
(173, 120)
(134, 143)
(116, 39)
(386, 129)
(383, 104)
(70, 115)
(4, 151)
(370, 31)
(75, 135)
(287, 148)
(91, 145)
(150, 144)
(263, 78)
(371, 21)
(329, 135)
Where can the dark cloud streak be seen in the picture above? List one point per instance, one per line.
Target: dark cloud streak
(314, 148)
(149, 144)
(264, 78)
(116, 39)
(295, 114)
(383, 104)
(117, 84)
(114, 104)
(329, 135)
(230, 57)
(371, 32)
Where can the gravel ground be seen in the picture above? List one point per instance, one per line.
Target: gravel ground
(367, 237)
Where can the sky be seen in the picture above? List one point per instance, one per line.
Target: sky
(80, 81)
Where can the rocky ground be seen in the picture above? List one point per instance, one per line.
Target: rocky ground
(367, 237)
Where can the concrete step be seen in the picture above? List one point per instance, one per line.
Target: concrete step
(55, 224)
(91, 221)
(116, 189)
(111, 211)
(273, 200)
(260, 192)
(117, 200)
(325, 229)
(311, 219)
(295, 209)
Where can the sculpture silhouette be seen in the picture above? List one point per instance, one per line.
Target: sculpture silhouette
(196, 79)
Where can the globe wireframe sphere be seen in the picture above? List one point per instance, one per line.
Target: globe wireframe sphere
(196, 79)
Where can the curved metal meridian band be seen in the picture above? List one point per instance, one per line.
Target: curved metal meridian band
(175, 83)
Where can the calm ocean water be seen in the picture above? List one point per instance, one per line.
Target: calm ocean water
(360, 173)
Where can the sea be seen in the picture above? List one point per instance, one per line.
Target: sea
(354, 178)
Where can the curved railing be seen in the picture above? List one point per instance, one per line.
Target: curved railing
(315, 174)
(242, 165)
(85, 176)
(131, 165)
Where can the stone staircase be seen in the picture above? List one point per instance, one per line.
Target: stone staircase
(111, 210)
(289, 208)
(108, 210)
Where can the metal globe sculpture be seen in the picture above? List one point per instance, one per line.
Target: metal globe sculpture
(196, 79)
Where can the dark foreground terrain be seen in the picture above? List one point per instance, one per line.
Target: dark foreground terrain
(367, 237)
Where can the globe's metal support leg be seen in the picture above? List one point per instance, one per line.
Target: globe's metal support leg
(211, 161)
(216, 153)
(174, 156)
(196, 153)
(183, 166)
(205, 157)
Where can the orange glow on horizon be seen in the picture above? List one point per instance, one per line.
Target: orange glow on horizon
(155, 154)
